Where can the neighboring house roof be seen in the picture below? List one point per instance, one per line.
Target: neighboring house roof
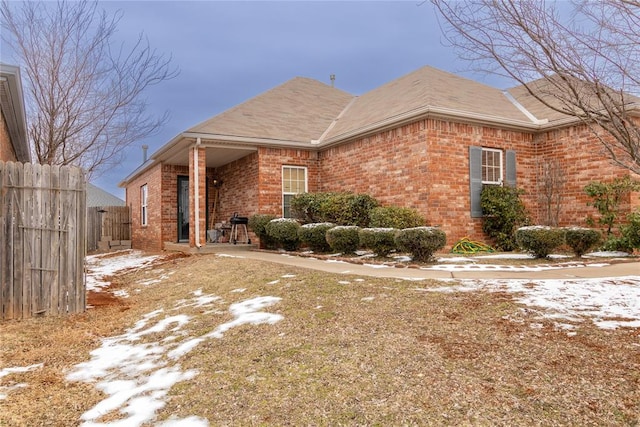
(12, 105)
(96, 197)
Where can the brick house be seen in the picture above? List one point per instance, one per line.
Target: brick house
(428, 140)
(14, 146)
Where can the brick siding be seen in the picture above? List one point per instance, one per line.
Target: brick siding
(422, 165)
(7, 152)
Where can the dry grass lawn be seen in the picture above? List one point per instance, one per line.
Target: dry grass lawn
(368, 352)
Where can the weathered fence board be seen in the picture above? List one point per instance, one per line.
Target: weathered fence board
(107, 223)
(43, 230)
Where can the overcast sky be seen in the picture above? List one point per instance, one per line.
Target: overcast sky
(228, 52)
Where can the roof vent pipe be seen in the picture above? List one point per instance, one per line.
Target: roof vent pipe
(144, 153)
(332, 77)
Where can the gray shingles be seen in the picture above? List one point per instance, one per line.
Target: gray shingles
(299, 110)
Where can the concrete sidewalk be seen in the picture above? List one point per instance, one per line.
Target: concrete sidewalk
(619, 269)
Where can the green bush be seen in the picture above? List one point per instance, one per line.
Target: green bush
(580, 239)
(257, 224)
(421, 242)
(343, 238)
(607, 198)
(337, 208)
(315, 235)
(284, 231)
(503, 212)
(631, 231)
(395, 217)
(379, 240)
(629, 238)
(306, 207)
(348, 209)
(540, 240)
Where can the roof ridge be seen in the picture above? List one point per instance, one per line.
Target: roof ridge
(522, 108)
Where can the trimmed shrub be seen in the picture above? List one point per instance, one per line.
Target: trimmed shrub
(306, 207)
(337, 208)
(315, 235)
(395, 217)
(379, 240)
(540, 240)
(421, 242)
(503, 212)
(284, 231)
(581, 239)
(343, 238)
(257, 224)
(348, 209)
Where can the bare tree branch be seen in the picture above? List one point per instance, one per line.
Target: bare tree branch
(85, 95)
(579, 58)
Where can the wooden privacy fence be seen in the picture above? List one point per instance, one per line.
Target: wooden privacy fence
(106, 225)
(42, 235)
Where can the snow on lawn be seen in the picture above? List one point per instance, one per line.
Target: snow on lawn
(609, 302)
(99, 267)
(6, 371)
(136, 376)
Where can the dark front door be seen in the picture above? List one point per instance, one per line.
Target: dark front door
(183, 209)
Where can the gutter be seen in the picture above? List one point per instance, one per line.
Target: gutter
(430, 111)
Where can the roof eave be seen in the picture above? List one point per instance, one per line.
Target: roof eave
(435, 112)
(16, 123)
(212, 140)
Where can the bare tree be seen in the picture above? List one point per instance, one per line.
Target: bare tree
(84, 92)
(579, 58)
(551, 180)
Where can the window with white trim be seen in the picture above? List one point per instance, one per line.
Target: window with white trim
(294, 181)
(491, 166)
(143, 205)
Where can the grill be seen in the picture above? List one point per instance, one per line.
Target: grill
(238, 228)
(239, 220)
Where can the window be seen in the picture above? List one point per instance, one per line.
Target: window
(491, 166)
(294, 181)
(485, 167)
(143, 205)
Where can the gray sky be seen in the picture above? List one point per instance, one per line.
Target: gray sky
(228, 52)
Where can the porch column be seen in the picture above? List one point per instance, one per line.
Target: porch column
(197, 195)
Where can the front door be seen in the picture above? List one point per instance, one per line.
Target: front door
(183, 209)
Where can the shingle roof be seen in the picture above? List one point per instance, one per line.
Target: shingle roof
(298, 110)
(96, 197)
(545, 90)
(425, 87)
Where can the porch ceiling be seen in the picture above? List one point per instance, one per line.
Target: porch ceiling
(216, 156)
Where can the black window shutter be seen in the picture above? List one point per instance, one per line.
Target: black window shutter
(475, 180)
(510, 177)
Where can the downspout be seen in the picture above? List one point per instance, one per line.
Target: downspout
(196, 177)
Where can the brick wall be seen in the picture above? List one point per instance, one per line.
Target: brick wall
(423, 165)
(149, 237)
(169, 208)
(7, 153)
(200, 182)
(583, 159)
(239, 189)
(271, 161)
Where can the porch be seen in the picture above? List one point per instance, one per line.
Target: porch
(209, 248)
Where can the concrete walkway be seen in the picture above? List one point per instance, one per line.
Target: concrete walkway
(600, 269)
